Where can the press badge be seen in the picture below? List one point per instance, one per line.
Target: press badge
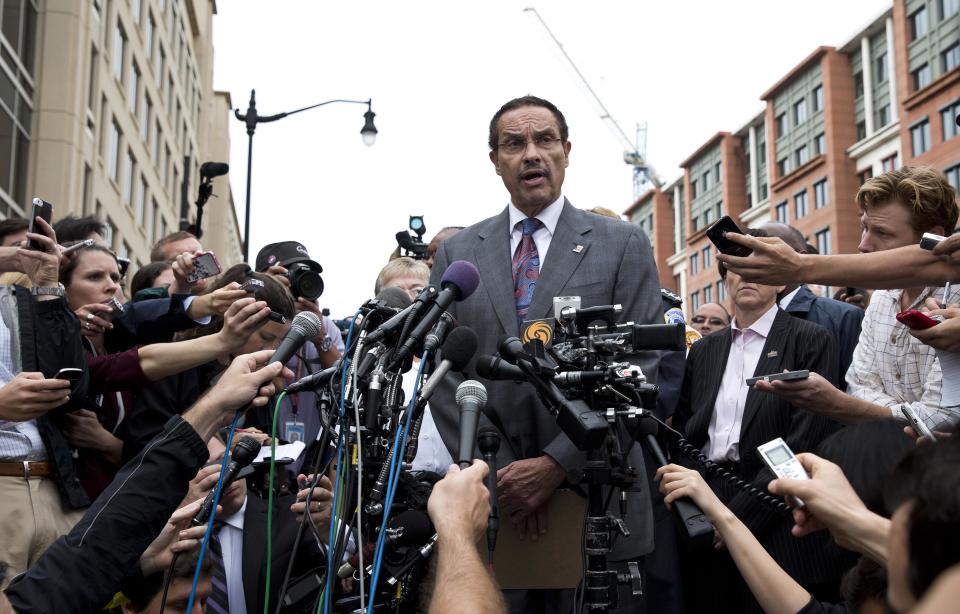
(294, 431)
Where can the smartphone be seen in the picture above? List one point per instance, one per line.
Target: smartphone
(66, 251)
(276, 317)
(41, 209)
(917, 320)
(783, 462)
(252, 285)
(123, 264)
(787, 376)
(726, 246)
(205, 265)
(116, 305)
(71, 374)
(930, 240)
(918, 425)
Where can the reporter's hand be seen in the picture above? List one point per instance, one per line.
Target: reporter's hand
(921, 441)
(857, 300)
(460, 503)
(949, 249)
(814, 394)
(183, 267)
(248, 379)
(29, 395)
(321, 502)
(94, 319)
(82, 429)
(241, 319)
(175, 537)
(42, 267)
(280, 273)
(216, 302)
(945, 335)
(677, 482)
(772, 262)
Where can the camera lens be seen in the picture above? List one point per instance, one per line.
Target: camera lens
(304, 282)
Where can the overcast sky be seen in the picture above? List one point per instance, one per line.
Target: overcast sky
(437, 71)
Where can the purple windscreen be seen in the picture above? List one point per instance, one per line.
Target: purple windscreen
(463, 275)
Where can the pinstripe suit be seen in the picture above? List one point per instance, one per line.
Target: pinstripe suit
(792, 344)
(602, 260)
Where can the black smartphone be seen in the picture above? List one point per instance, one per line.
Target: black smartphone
(787, 376)
(41, 209)
(71, 374)
(726, 246)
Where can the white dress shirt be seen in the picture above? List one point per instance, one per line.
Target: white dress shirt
(542, 236)
(432, 454)
(785, 301)
(231, 547)
(723, 444)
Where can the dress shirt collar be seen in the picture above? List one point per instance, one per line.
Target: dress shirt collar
(785, 301)
(236, 520)
(763, 325)
(549, 216)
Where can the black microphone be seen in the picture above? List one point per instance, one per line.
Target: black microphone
(243, 454)
(209, 170)
(496, 368)
(439, 332)
(691, 522)
(471, 397)
(459, 281)
(306, 325)
(489, 443)
(313, 381)
(393, 325)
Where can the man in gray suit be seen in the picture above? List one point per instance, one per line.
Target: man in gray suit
(537, 248)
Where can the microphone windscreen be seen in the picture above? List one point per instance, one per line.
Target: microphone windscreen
(416, 525)
(214, 169)
(394, 297)
(245, 451)
(472, 390)
(463, 275)
(307, 323)
(460, 346)
(488, 439)
(648, 426)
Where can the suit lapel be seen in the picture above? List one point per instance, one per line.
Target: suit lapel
(494, 260)
(716, 364)
(254, 557)
(771, 361)
(567, 248)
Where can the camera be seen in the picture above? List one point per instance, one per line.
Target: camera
(411, 246)
(304, 281)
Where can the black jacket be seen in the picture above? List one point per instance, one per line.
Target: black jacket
(150, 321)
(82, 570)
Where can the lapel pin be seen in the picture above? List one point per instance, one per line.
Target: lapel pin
(577, 249)
(771, 354)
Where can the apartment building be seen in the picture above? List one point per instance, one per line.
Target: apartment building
(653, 212)
(113, 110)
(887, 97)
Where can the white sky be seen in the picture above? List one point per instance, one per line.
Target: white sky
(437, 71)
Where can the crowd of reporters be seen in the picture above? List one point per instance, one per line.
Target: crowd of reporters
(102, 469)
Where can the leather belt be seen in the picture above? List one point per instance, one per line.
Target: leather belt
(26, 469)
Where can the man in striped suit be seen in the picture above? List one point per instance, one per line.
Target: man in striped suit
(727, 420)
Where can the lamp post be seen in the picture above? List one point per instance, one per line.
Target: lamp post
(252, 118)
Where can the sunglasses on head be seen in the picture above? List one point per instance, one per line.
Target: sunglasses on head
(712, 321)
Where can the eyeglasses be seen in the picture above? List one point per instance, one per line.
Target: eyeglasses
(712, 321)
(544, 142)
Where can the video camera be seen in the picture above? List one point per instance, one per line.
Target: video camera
(410, 246)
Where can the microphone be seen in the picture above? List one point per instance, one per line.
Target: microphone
(394, 297)
(393, 324)
(690, 519)
(312, 381)
(471, 397)
(243, 454)
(410, 528)
(496, 368)
(305, 325)
(439, 332)
(458, 282)
(209, 170)
(489, 443)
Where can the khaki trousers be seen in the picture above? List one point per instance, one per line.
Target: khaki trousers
(31, 518)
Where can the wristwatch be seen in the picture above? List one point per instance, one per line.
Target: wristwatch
(325, 345)
(57, 290)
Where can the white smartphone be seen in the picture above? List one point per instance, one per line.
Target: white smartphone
(783, 462)
(205, 265)
(930, 240)
(918, 425)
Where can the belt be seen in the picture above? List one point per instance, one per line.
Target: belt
(26, 469)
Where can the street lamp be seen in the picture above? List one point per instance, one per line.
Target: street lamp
(252, 118)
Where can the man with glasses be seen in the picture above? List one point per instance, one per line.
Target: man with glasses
(539, 246)
(709, 318)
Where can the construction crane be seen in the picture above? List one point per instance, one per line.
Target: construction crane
(635, 153)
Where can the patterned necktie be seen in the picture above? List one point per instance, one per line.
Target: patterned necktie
(526, 267)
(218, 602)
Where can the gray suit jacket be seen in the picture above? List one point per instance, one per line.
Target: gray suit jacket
(602, 260)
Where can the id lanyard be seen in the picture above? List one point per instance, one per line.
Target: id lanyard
(293, 429)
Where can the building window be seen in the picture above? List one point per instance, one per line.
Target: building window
(147, 118)
(762, 155)
(693, 188)
(165, 166)
(717, 170)
(880, 68)
(707, 181)
(695, 299)
(694, 264)
(113, 153)
(883, 115)
(129, 172)
(951, 57)
(863, 175)
(953, 176)
(918, 24)
(708, 294)
(820, 194)
(148, 36)
(707, 260)
(119, 43)
(823, 241)
(141, 203)
(763, 191)
(781, 124)
(921, 77)
(818, 98)
(920, 137)
(948, 117)
(800, 204)
(151, 214)
(890, 163)
(721, 292)
(800, 112)
(110, 231)
(949, 8)
(133, 88)
(159, 64)
(820, 144)
(783, 166)
(802, 155)
(861, 130)
(717, 210)
(858, 85)
(696, 223)
(155, 145)
(782, 212)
